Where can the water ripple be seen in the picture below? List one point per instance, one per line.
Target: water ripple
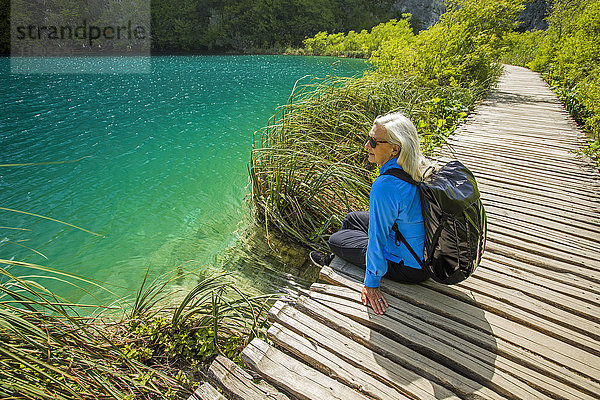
(167, 175)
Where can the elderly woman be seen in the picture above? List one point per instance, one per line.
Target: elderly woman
(366, 238)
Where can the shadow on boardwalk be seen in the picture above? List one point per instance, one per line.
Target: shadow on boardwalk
(526, 325)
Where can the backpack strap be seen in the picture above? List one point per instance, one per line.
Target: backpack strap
(400, 236)
(403, 175)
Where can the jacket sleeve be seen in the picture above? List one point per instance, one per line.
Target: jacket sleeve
(383, 212)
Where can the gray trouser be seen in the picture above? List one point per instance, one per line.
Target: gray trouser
(350, 243)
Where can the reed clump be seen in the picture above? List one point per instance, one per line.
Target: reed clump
(51, 348)
(308, 166)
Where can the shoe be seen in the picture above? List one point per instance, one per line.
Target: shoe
(321, 259)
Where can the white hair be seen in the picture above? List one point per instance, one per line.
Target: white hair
(402, 132)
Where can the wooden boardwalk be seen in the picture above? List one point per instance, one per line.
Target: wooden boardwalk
(526, 325)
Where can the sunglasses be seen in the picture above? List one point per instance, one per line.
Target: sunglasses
(373, 142)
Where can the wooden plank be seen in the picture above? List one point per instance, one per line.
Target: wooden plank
(527, 137)
(577, 176)
(577, 355)
(543, 248)
(238, 384)
(559, 204)
(318, 357)
(517, 299)
(501, 146)
(521, 138)
(548, 239)
(562, 282)
(487, 113)
(347, 331)
(576, 196)
(531, 202)
(562, 165)
(433, 351)
(515, 128)
(544, 282)
(542, 337)
(473, 154)
(549, 328)
(560, 133)
(541, 374)
(340, 350)
(584, 191)
(557, 246)
(298, 379)
(535, 227)
(562, 121)
(462, 148)
(206, 392)
(527, 171)
(516, 167)
(536, 103)
(553, 221)
(507, 94)
(545, 106)
(562, 127)
(536, 224)
(474, 159)
(488, 184)
(568, 304)
(524, 256)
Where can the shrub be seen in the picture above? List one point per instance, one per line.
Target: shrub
(461, 49)
(521, 48)
(358, 44)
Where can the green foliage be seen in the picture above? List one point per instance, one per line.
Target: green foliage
(276, 24)
(272, 23)
(360, 44)
(158, 338)
(236, 25)
(181, 25)
(592, 150)
(569, 56)
(438, 120)
(462, 49)
(4, 26)
(521, 48)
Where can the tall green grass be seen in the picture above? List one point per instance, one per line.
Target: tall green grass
(308, 167)
(51, 348)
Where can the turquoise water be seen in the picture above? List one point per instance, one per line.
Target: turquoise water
(165, 172)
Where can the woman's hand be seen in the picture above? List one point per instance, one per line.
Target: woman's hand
(374, 297)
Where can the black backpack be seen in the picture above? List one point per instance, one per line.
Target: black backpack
(455, 222)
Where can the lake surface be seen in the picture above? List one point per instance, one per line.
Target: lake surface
(165, 173)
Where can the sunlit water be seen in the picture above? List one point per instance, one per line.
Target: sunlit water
(165, 176)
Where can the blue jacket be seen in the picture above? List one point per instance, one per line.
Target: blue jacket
(392, 200)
